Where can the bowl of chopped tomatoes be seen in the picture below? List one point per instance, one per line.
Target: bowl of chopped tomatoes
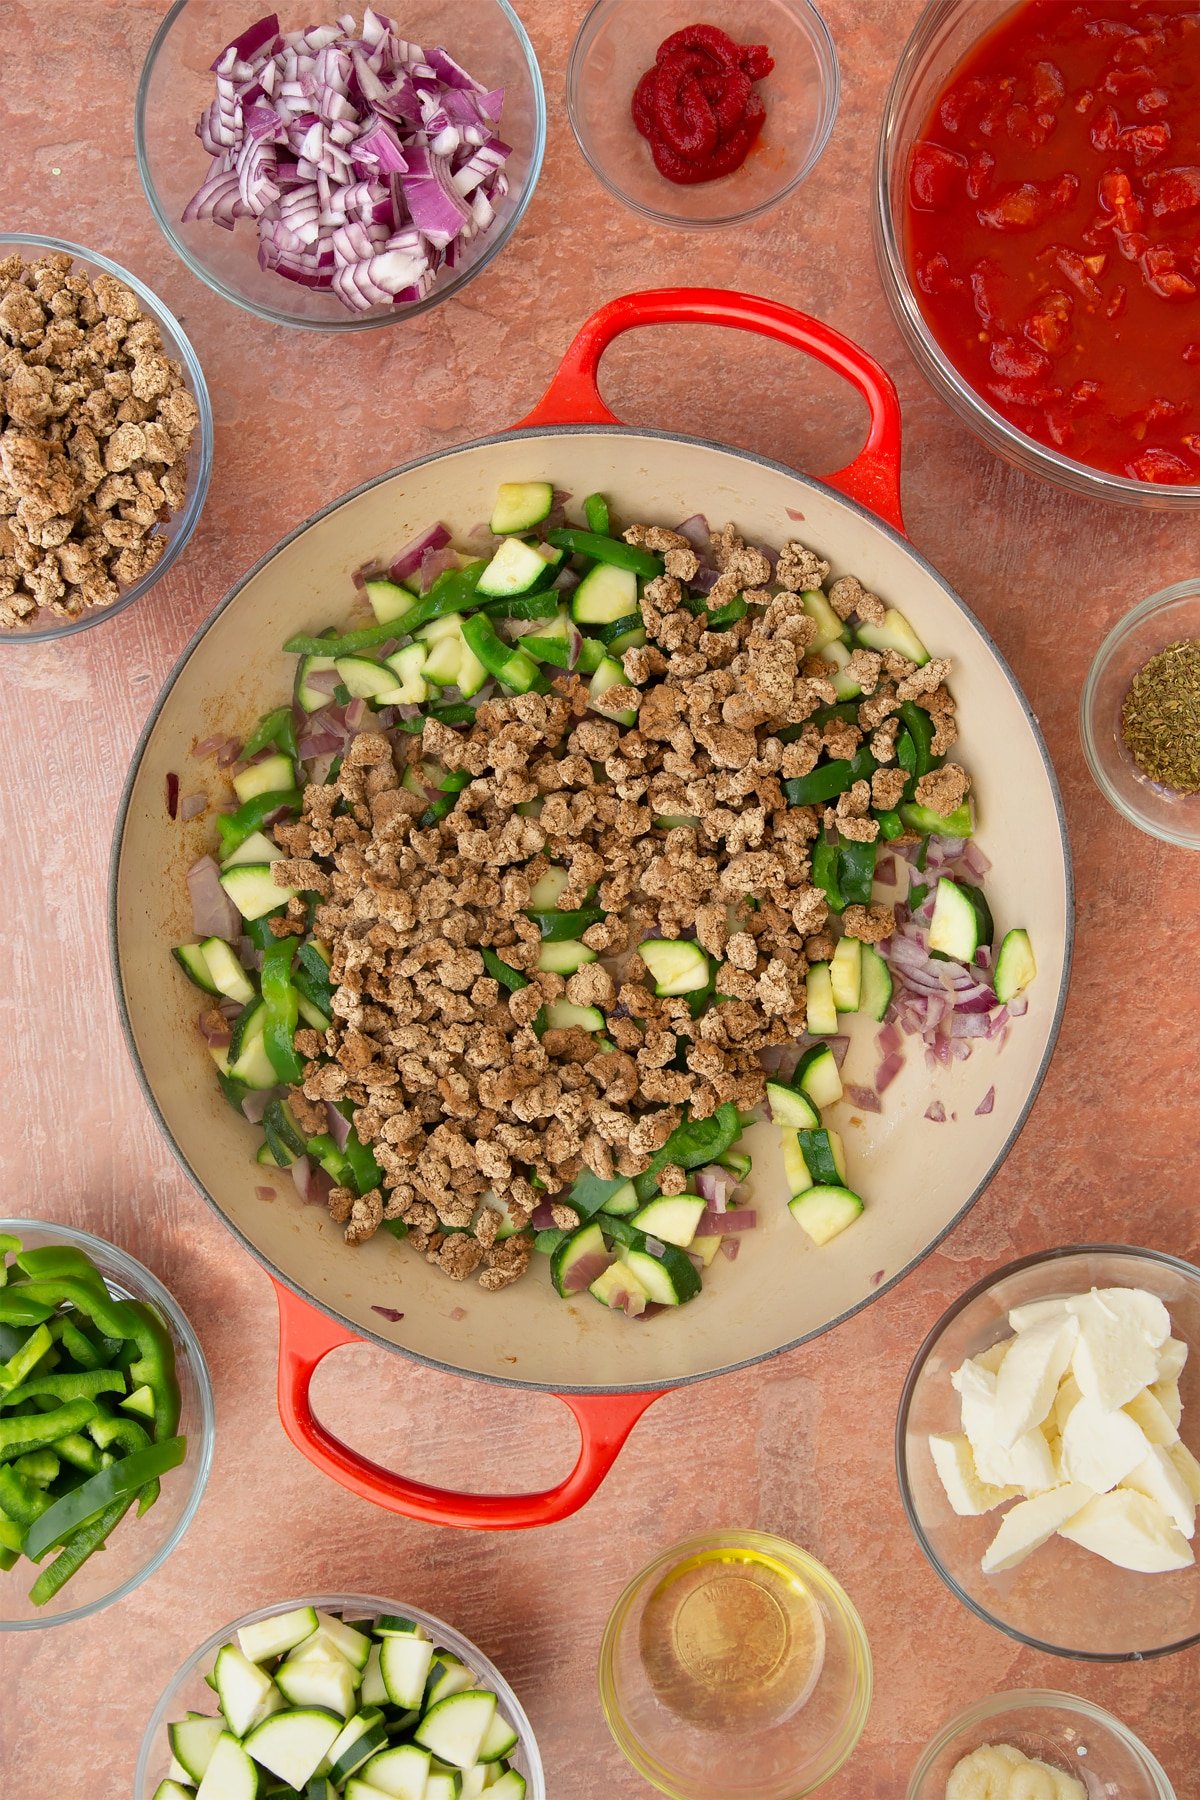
(1037, 226)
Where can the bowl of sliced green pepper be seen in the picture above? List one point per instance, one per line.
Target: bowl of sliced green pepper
(106, 1424)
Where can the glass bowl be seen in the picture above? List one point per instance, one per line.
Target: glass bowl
(734, 1667)
(187, 1691)
(177, 83)
(1061, 1599)
(181, 524)
(944, 33)
(1165, 618)
(1081, 1739)
(614, 47)
(138, 1547)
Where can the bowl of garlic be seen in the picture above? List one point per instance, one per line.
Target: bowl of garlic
(1037, 1745)
(1046, 1445)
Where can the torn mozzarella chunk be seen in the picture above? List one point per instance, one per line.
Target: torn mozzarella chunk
(1032, 1523)
(1037, 1312)
(1099, 1448)
(1188, 1467)
(1113, 1359)
(1029, 1376)
(991, 1358)
(1153, 1419)
(1002, 1772)
(969, 1496)
(1158, 1478)
(1172, 1359)
(1027, 1464)
(1166, 1392)
(1066, 1399)
(1129, 1530)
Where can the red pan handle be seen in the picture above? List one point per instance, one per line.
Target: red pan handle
(573, 397)
(307, 1336)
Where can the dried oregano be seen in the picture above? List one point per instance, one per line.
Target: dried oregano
(1160, 720)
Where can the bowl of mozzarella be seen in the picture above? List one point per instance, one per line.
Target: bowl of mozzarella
(1046, 1451)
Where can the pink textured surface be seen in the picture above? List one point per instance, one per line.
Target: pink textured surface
(801, 1445)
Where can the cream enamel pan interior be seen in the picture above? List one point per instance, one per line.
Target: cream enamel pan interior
(916, 1177)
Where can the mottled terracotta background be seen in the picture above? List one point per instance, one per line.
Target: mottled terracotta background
(801, 1445)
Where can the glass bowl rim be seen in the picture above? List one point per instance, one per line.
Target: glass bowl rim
(821, 1577)
(1037, 1699)
(370, 1604)
(148, 1286)
(440, 291)
(830, 69)
(1145, 609)
(986, 1282)
(1000, 435)
(188, 515)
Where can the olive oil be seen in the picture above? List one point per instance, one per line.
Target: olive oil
(732, 1639)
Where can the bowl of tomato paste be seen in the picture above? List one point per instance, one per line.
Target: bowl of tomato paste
(702, 116)
(1037, 225)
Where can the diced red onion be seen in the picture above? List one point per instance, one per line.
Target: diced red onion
(888, 1070)
(986, 1104)
(255, 1104)
(339, 1125)
(356, 715)
(866, 1099)
(888, 1039)
(192, 805)
(172, 788)
(936, 1113)
(1018, 1008)
(229, 753)
(301, 1172)
(705, 579)
(586, 1269)
(715, 1184)
(406, 564)
(543, 1216)
(696, 531)
(213, 1029)
(839, 1046)
(208, 745)
(715, 1224)
(885, 870)
(791, 512)
(457, 1314)
(230, 1009)
(388, 1312)
(265, 1193)
(975, 861)
(213, 912)
(730, 1248)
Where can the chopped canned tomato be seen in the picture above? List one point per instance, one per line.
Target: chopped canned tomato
(1053, 229)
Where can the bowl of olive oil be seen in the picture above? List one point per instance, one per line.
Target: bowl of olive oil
(735, 1666)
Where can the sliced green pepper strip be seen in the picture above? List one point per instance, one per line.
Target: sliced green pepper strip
(21, 1499)
(830, 779)
(154, 1366)
(590, 1193)
(691, 1145)
(891, 825)
(397, 1227)
(283, 1011)
(75, 1552)
(508, 977)
(452, 592)
(12, 1538)
(234, 828)
(606, 550)
(17, 1307)
(595, 511)
(115, 1318)
(59, 1259)
(825, 873)
(856, 872)
(42, 1431)
(323, 1150)
(364, 1169)
(126, 1434)
(38, 1344)
(507, 662)
(259, 930)
(79, 1451)
(277, 728)
(80, 1384)
(543, 604)
(556, 927)
(729, 614)
(40, 1467)
(8, 1245)
(458, 712)
(920, 730)
(917, 893)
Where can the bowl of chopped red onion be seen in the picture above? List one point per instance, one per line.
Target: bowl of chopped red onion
(339, 173)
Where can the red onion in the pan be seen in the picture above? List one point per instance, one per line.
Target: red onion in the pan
(388, 1312)
(255, 1104)
(172, 790)
(986, 1104)
(191, 806)
(715, 1184)
(213, 912)
(866, 1099)
(339, 1125)
(265, 1193)
(715, 1224)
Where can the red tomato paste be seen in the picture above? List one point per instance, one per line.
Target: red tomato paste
(1054, 229)
(696, 107)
